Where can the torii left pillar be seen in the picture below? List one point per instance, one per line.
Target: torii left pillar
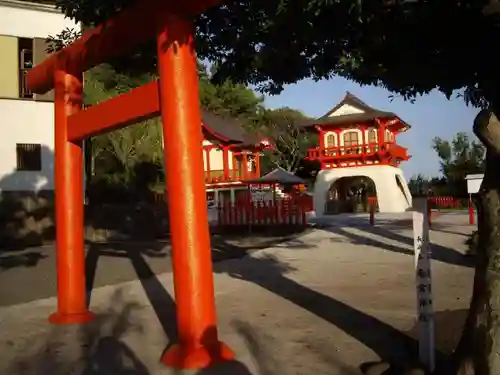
(68, 174)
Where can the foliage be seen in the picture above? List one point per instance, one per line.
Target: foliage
(228, 98)
(459, 158)
(291, 141)
(266, 43)
(61, 40)
(418, 185)
(115, 155)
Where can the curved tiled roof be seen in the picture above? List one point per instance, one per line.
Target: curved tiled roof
(369, 113)
(227, 129)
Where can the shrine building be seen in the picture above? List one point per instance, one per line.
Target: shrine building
(231, 155)
(359, 159)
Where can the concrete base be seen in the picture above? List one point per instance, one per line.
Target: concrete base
(391, 197)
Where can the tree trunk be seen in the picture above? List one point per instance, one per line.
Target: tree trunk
(478, 351)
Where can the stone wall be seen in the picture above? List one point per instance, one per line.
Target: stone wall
(27, 219)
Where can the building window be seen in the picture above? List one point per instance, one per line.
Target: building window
(372, 136)
(25, 53)
(29, 157)
(331, 140)
(351, 138)
(387, 136)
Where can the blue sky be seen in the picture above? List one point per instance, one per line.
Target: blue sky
(431, 115)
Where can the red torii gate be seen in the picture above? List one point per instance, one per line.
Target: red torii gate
(175, 97)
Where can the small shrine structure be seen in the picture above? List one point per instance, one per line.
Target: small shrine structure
(359, 158)
(231, 155)
(274, 185)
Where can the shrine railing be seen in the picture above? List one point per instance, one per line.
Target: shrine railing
(218, 177)
(283, 212)
(354, 150)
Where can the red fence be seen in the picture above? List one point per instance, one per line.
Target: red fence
(447, 202)
(286, 212)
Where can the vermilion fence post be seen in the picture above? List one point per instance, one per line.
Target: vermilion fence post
(68, 173)
(471, 212)
(372, 214)
(219, 215)
(198, 343)
(227, 213)
(429, 211)
(303, 209)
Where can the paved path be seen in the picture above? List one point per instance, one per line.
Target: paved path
(30, 274)
(323, 303)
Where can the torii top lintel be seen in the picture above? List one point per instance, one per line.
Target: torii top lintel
(117, 36)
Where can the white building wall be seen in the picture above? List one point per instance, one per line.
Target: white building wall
(26, 20)
(390, 197)
(216, 158)
(346, 110)
(25, 120)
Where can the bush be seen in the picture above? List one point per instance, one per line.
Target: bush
(106, 191)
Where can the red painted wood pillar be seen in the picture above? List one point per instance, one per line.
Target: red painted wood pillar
(471, 211)
(257, 165)
(339, 144)
(234, 168)
(321, 139)
(225, 163)
(244, 168)
(198, 344)
(68, 173)
(364, 139)
(208, 172)
(381, 133)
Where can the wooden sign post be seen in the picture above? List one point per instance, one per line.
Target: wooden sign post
(425, 313)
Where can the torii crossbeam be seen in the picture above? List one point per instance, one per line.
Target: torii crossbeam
(175, 97)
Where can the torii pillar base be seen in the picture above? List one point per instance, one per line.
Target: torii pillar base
(81, 318)
(192, 359)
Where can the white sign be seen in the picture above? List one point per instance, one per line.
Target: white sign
(474, 183)
(425, 313)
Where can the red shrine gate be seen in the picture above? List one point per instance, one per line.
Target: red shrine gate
(175, 97)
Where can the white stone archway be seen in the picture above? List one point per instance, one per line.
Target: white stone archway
(393, 194)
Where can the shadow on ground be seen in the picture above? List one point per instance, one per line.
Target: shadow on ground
(269, 273)
(448, 325)
(26, 259)
(438, 252)
(106, 354)
(160, 300)
(224, 248)
(95, 348)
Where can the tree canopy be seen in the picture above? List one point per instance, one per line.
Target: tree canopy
(409, 47)
(458, 157)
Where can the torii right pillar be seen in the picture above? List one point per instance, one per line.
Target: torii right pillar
(198, 344)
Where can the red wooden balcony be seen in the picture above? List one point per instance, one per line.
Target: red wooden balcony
(363, 152)
(217, 176)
